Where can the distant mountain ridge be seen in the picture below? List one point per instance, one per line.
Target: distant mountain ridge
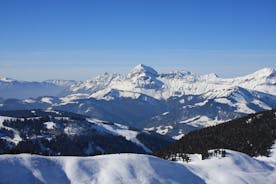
(145, 80)
(11, 88)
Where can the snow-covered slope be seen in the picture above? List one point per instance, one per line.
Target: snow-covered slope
(120, 130)
(115, 169)
(197, 111)
(235, 168)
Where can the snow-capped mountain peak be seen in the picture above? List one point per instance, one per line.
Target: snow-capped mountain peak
(265, 72)
(142, 70)
(210, 76)
(265, 76)
(143, 77)
(95, 84)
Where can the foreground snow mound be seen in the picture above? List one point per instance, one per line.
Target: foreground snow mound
(235, 168)
(136, 169)
(119, 168)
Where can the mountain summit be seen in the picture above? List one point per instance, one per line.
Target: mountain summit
(142, 70)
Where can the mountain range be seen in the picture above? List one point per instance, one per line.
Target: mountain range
(171, 104)
(46, 129)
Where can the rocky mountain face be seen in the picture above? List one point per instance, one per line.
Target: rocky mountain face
(172, 103)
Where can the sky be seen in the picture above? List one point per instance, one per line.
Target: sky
(79, 39)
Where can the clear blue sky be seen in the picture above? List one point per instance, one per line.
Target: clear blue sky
(78, 39)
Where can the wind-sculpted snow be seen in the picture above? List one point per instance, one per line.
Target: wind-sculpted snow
(235, 168)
